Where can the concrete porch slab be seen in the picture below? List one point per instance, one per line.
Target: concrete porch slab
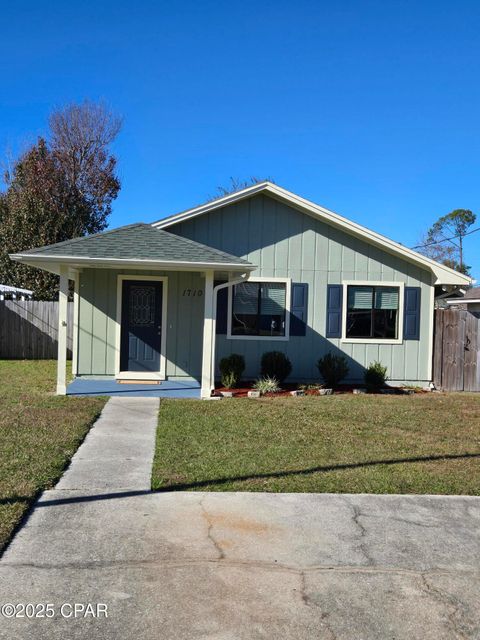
(110, 387)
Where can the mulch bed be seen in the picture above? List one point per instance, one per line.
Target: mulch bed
(242, 392)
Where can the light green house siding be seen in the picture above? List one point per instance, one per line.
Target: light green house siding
(97, 322)
(284, 242)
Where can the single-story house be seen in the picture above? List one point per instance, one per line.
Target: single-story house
(258, 270)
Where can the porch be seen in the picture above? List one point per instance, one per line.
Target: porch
(108, 386)
(144, 310)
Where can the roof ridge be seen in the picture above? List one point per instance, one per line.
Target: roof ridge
(258, 186)
(327, 215)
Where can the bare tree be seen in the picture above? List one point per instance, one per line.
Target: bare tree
(80, 139)
(62, 187)
(236, 184)
(444, 240)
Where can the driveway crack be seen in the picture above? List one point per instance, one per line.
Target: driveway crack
(210, 536)
(362, 546)
(309, 602)
(451, 604)
(416, 523)
(273, 566)
(303, 590)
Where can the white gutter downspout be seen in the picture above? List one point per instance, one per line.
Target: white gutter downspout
(216, 289)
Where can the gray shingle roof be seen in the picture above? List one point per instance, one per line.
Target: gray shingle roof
(137, 242)
(472, 294)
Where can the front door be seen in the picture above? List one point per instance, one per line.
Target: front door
(141, 325)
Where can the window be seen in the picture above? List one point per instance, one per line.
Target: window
(372, 312)
(259, 309)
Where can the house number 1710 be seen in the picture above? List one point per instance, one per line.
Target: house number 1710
(192, 293)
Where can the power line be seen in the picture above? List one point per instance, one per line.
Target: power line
(429, 244)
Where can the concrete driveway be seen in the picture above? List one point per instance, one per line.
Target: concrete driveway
(236, 565)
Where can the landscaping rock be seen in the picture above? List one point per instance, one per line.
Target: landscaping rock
(227, 394)
(254, 394)
(297, 392)
(325, 392)
(358, 391)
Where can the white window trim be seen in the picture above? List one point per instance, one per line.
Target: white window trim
(132, 375)
(372, 283)
(288, 288)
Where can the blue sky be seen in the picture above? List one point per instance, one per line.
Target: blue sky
(370, 108)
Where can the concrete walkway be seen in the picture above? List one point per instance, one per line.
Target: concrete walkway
(228, 566)
(118, 452)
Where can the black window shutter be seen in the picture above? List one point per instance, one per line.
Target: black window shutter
(222, 309)
(334, 310)
(298, 309)
(411, 327)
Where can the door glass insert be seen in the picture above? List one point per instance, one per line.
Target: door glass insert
(142, 306)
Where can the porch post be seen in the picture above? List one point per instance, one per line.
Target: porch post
(76, 302)
(207, 337)
(62, 332)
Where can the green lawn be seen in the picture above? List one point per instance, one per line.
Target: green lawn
(341, 443)
(39, 433)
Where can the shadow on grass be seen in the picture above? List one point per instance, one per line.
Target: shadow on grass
(305, 472)
(219, 481)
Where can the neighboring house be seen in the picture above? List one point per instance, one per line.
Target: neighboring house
(14, 293)
(443, 294)
(288, 275)
(470, 301)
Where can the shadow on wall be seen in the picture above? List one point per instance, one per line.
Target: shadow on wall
(98, 323)
(97, 342)
(28, 330)
(321, 346)
(252, 351)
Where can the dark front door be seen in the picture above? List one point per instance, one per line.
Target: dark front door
(141, 325)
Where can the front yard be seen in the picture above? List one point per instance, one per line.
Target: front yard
(427, 443)
(39, 433)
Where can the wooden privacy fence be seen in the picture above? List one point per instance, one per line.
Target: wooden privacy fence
(28, 329)
(456, 355)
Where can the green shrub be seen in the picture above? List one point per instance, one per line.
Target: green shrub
(229, 380)
(231, 369)
(275, 364)
(267, 384)
(333, 369)
(375, 376)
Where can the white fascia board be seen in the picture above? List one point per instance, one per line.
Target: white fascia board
(443, 274)
(8, 289)
(463, 301)
(52, 263)
(211, 206)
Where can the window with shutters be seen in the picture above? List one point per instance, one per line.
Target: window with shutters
(259, 309)
(373, 312)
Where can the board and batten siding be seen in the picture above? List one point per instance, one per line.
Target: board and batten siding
(97, 322)
(284, 242)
